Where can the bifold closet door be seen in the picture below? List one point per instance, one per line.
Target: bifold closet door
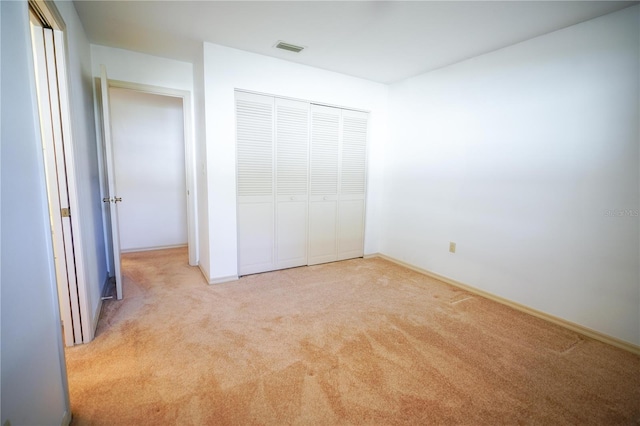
(337, 184)
(292, 171)
(255, 183)
(323, 184)
(272, 161)
(301, 179)
(351, 205)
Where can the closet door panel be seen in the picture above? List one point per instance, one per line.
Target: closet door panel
(291, 241)
(292, 182)
(325, 149)
(254, 135)
(323, 238)
(324, 177)
(351, 228)
(353, 153)
(255, 183)
(255, 237)
(351, 208)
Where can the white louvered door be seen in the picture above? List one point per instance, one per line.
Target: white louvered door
(255, 182)
(351, 204)
(292, 171)
(324, 184)
(301, 179)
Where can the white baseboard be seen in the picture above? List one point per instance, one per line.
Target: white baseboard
(580, 329)
(204, 272)
(141, 249)
(222, 280)
(218, 280)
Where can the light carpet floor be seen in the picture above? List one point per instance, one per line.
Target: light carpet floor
(353, 342)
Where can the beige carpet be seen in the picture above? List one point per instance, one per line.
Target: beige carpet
(354, 342)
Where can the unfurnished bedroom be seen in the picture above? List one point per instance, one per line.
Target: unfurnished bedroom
(368, 212)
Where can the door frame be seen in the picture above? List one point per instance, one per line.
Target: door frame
(189, 155)
(81, 313)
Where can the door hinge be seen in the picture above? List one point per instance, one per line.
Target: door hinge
(65, 212)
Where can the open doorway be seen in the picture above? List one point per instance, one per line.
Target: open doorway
(149, 166)
(149, 170)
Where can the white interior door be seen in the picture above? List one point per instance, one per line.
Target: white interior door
(324, 184)
(59, 210)
(112, 198)
(255, 182)
(48, 42)
(351, 207)
(292, 171)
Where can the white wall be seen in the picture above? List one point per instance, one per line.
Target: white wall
(521, 156)
(148, 151)
(86, 156)
(226, 69)
(34, 388)
(134, 67)
(201, 164)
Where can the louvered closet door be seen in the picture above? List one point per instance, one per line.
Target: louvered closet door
(292, 171)
(351, 207)
(255, 182)
(323, 184)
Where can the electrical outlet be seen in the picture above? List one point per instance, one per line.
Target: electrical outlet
(452, 247)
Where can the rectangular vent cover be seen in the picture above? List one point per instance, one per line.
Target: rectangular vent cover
(290, 47)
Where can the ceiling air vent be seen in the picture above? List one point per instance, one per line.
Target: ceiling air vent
(290, 47)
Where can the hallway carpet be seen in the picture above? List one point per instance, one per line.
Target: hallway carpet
(353, 342)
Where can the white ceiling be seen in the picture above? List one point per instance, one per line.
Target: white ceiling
(383, 41)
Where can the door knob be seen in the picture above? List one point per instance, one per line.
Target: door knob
(111, 200)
